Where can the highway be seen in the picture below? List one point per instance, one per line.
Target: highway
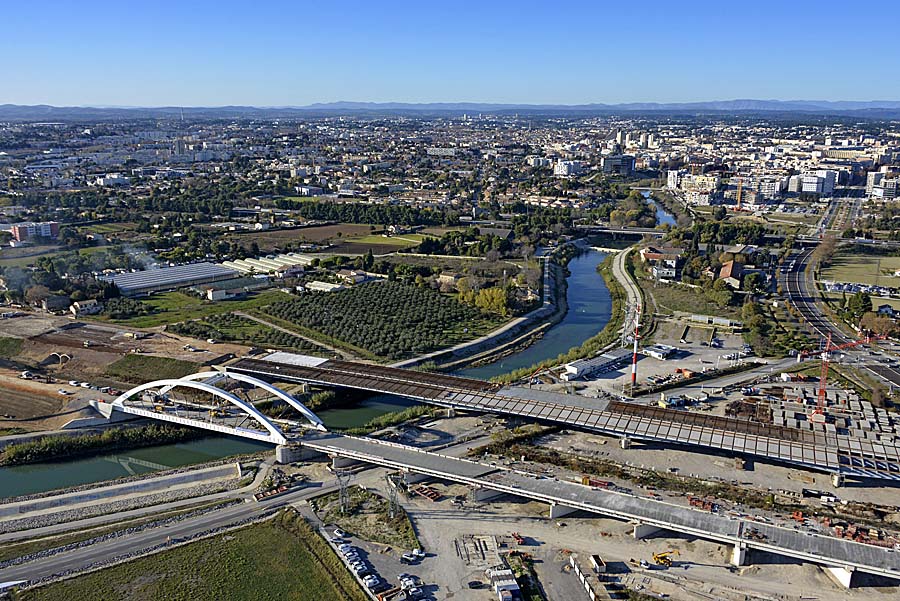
(802, 294)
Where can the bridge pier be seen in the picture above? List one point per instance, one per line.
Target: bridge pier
(841, 575)
(642, 530)
(294, 453)
(739, 555)
(339, 463)
(837, 480)
(558, 511)
(410, 478)
(625, 443)
(485, 494)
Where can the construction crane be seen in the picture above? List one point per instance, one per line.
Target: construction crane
(740, 187)
(665, 558)
(825, 355)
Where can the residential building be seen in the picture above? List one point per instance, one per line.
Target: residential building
(30, 230)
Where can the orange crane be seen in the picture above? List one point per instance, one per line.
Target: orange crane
(740, 187)
(826, 358)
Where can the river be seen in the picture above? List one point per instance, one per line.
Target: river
(589, 311)
(663, 217)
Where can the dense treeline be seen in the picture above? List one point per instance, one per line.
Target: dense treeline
(357, 212)
(51, 448)
(389, 319)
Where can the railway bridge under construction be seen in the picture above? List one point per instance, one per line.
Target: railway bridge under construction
(833, 452)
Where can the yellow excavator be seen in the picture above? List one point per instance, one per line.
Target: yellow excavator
(665, 558)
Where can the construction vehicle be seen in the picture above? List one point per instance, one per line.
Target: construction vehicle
(665, 558)
(159, 408)
(797, 516)
(518, 538)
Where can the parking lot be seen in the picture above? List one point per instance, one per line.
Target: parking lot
(378, 568)
(693, 354)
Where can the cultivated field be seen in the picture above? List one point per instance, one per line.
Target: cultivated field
(863, 269)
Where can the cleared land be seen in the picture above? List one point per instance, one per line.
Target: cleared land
(277, 239)
(863, 269)
(278, 559)
(172, 307)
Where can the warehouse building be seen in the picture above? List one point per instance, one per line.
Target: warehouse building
(143, 283)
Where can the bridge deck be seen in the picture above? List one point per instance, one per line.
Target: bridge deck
(677, 518)
(790, 445)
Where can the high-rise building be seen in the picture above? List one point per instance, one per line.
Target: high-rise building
(622, 164)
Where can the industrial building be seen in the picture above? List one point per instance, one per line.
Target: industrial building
(659, 351)
(272, 264)
(141, 283)
(583, 368)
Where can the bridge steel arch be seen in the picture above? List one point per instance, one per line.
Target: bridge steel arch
(239, 377)
(274, 436)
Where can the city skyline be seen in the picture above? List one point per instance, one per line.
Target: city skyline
(524, 53)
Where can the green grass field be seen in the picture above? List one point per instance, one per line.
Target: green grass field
(404, 240)
(863, 269)
(107, 228)
(144, 368)
(279, 560)
(172, 307)
(10, 347)
(9, 260)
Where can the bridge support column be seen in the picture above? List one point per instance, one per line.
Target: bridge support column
(739, 555)
(338, 462)
(485, 494)
(625, 443)
(843, 576)
(412, 478)
(558, 511)
(293, 453)
(837, 480)
(642, 531)
(451, 412)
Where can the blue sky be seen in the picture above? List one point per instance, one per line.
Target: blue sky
(274, 53)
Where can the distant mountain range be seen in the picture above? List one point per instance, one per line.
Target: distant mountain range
(872, 108)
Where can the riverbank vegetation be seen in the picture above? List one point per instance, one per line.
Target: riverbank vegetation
(392, 419)
(594, 344)
(282, 558)
(51, 448)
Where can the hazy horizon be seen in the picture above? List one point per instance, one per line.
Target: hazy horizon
(283, 54)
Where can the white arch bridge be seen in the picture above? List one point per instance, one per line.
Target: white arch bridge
(211, 406)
